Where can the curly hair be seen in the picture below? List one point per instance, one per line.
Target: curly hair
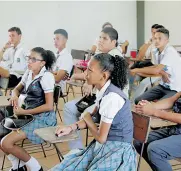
(116, 66)
(47, 55)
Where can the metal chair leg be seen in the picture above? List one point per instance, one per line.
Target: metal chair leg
(87, 135)
(4, 157)
(60, 156)
(139, 162)
(43, 150)
(58, 112)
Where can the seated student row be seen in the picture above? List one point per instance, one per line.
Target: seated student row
(11, 138)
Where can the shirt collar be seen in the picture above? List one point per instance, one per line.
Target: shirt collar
(41, 73)
(62, 52)
(100, 93)
(163, 52)
(18, 46)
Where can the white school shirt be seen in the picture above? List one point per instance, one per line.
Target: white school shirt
(110, 103)
(14, 59)
(172, 61)
(64, 62)
(47, 81)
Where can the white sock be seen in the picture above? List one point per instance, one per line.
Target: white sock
(15, 161)
(33, 164)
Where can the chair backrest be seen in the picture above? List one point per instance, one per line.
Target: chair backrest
(78, 54)
(4, 83)
(56, 93)
(141, 127)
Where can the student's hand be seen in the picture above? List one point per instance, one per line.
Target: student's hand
(7, 45)
(165, 77)
(133, 72)
(87, 89)
(145, 109)
(19, 111)
(144, 102)
(61, 131)
(66, 76)
(14, 101)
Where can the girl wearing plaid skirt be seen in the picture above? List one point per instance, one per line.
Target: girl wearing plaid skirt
(38, 84)
(111, 149)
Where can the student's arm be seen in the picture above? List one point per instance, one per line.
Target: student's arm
(150, 110)
(59, 75)
(4, 73)
(152, 70)
(78, 76)
(7, 45)
(124, 47)
(162, 104)
(100, 134)
(48, 106)
(142, 51)
(93, 48)
(15, 94)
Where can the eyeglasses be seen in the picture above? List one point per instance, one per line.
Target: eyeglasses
(33, 59)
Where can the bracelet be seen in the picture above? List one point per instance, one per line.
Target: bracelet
(78, 128)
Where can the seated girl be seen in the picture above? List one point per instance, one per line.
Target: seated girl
(38, 83)
(112, 147)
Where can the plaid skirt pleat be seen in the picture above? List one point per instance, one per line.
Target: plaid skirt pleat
(42, 120)
(111, 156)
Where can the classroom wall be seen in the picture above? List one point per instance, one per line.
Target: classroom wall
(82, 20)
(166, 13)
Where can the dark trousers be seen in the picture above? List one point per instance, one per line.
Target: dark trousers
(156, 93)
(13, 81)
(162, 145)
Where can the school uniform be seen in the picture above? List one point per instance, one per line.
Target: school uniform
(14, 59)
(35, 90)
(117, 153)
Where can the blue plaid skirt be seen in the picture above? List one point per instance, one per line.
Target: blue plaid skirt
(111, 156)
(42, 120)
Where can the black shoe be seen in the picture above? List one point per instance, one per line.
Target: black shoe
(23, 168)
(41, 169)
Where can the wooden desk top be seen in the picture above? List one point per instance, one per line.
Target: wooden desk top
(48, 134)
(4, 101)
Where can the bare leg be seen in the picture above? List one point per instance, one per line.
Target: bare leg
(8, 145)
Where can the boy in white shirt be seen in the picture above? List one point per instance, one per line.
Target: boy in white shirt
(13, 57)
(64, 61)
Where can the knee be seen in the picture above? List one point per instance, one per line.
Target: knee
(70, 107)
(137, 145)
(137, 100)
(153, 150)
(6, 145)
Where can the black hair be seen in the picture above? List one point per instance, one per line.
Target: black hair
(159, 26)
(105, 24)
(117, 67)
(62, 32)
(113, 34)
(154, 25)
(164, 31)
(47, 55)
(16, 29)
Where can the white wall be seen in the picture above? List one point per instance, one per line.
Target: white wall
(82, 20)
(166, 13)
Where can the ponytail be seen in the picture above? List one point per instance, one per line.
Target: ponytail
(120, 72)
(117, 67)
(47, 55)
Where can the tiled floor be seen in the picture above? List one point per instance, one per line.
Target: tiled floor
(52, 159)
